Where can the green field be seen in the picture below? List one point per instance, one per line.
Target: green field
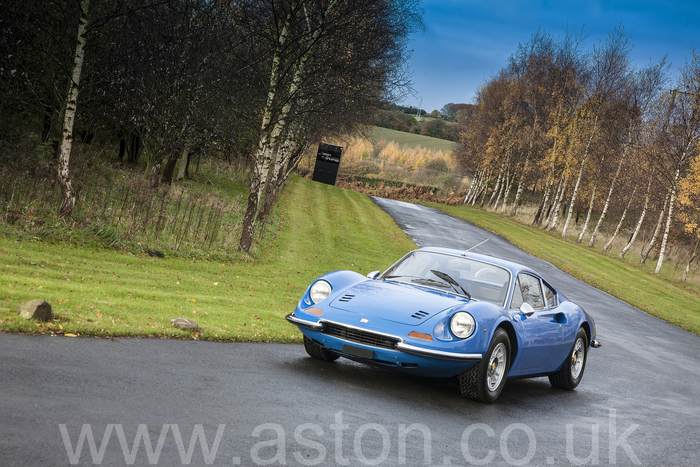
(110, 293)
(411, 140)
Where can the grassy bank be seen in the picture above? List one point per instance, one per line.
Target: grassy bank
(107, 292)
(676, 303)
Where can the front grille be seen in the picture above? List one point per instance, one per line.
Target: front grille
(359, 336)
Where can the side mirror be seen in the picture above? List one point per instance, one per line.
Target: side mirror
(527, 309)
(373, 275)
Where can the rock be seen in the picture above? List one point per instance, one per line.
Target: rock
(36, 309)
(186, 324)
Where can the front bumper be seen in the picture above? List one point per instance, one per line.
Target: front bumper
(399, 345)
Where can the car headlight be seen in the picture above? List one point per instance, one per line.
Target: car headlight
(319, 291)
(462, 325)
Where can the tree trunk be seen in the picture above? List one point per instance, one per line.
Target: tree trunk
(647, 249)
(497, 188)
(594, 235)
(580, 176)
(64, 178)
(669, 219)
(619, 224)
(521, 181)
(184, 162)
(591, 203)
(543, 202)
(692, 258)
(122, 148)
(558, 205)
(169, 169)
(555, 200)
(639, 222)
(264, 152)
(509, 185)
(521, 186)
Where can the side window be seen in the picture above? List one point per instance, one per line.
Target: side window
(517, 296)
(531, 290)
(550, 295)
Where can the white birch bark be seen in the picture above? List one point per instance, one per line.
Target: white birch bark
(543, 203)
(669, 219)
(555, 200)
(521, 181)
(613, 184)
(692, 258)
(619, 224)
(64, 178)
(638, 227)
(509, 185)
(497, 189)
(647, 249)
(580, 176)
(261, 166)
(588, 214)
(555, 216)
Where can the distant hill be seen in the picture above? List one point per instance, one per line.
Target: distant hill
(411, 140)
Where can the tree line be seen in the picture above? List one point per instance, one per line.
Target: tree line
(584, 130)
(258, 80)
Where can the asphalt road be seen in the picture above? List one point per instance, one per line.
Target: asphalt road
(203, 403)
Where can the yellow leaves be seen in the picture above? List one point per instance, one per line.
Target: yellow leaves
(689, 198)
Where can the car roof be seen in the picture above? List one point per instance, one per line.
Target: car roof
(514, 268)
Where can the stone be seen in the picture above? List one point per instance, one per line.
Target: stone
(186, 324)
(36, 309)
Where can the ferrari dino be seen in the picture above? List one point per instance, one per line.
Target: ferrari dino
(442, 313)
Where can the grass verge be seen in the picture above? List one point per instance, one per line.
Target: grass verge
(110, 293)
(673, 302)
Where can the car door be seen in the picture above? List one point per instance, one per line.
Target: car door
(542, 332)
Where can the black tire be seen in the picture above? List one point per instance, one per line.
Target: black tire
(485, 380)
(316, 351)
(572, 370)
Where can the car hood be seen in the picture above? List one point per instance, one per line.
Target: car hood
(396, 302)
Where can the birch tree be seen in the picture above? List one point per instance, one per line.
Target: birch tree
(300, 31)
(610, 66)
(682, 135)
(64, 176)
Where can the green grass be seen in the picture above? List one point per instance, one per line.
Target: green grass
(411, 140)
(110, 293)
(671, 301)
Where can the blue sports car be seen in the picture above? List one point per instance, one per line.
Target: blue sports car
(443, 313)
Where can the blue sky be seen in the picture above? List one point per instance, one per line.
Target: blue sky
(467, 41)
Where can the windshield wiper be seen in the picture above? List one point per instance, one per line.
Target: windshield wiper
(447, 278)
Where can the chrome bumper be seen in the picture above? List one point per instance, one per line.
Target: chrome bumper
(400, 346)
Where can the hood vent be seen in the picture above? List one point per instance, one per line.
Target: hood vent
(420, 315)
(346, 298)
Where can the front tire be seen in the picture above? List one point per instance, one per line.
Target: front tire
(316, 351)
(485, 380)
(572, 370)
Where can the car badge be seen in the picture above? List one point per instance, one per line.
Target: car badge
(363, 320)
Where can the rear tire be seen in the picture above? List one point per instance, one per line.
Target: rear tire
(572, 370)
(485, 380)
(316, 351)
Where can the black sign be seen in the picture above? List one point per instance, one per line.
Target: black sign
(327, 163)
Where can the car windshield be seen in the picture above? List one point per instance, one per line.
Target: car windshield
(453, 274)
